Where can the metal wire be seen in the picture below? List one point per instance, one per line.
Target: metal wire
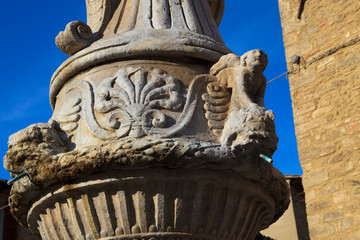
(278, 77)
(4, 207)
(319, 57)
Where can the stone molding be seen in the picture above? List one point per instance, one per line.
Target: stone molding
(189, 45)
(162, 203)
(132, 102)
(108, 17)
(146, 28)
(134, 154)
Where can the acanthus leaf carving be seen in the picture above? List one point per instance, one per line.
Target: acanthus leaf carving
(191, 101)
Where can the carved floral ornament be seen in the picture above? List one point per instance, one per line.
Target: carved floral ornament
(139, 101)
(133, 102)
(149, 130)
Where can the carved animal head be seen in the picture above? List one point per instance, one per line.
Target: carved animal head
(255, 60)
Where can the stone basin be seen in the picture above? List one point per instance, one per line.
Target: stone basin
(153, 204)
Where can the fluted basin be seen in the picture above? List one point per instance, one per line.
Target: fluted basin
(154, 204)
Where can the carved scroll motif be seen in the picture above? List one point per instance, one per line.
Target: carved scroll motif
(217, 102)
(132, 102)
(70, 114)
(76, 36)
(69, 120)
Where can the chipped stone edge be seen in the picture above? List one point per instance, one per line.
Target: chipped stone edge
(134, 154)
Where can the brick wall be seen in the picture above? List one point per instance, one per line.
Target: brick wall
(326, 105)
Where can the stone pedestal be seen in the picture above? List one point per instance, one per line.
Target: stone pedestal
(156, 132)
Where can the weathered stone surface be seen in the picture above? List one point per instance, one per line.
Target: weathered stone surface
(45, 168)
(152, 28)
(151, 129)
(173, 204)
(77, 36)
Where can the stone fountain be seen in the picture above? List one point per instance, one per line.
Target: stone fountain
(156, 132)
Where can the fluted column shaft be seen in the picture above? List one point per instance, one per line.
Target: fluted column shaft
(116, 17)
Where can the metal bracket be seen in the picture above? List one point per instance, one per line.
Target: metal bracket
(266, 158)
(17, 178)
(301, 8)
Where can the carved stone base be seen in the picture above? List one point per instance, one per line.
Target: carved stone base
(154, 204)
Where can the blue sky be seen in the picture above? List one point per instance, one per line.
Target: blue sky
(30, 57)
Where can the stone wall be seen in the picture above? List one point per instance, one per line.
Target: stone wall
(293, 223)
(325, 93)
(9, 228)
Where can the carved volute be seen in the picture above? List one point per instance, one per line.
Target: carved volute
(156, 132)
(128, 22)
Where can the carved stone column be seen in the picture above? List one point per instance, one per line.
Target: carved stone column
(156, 132)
